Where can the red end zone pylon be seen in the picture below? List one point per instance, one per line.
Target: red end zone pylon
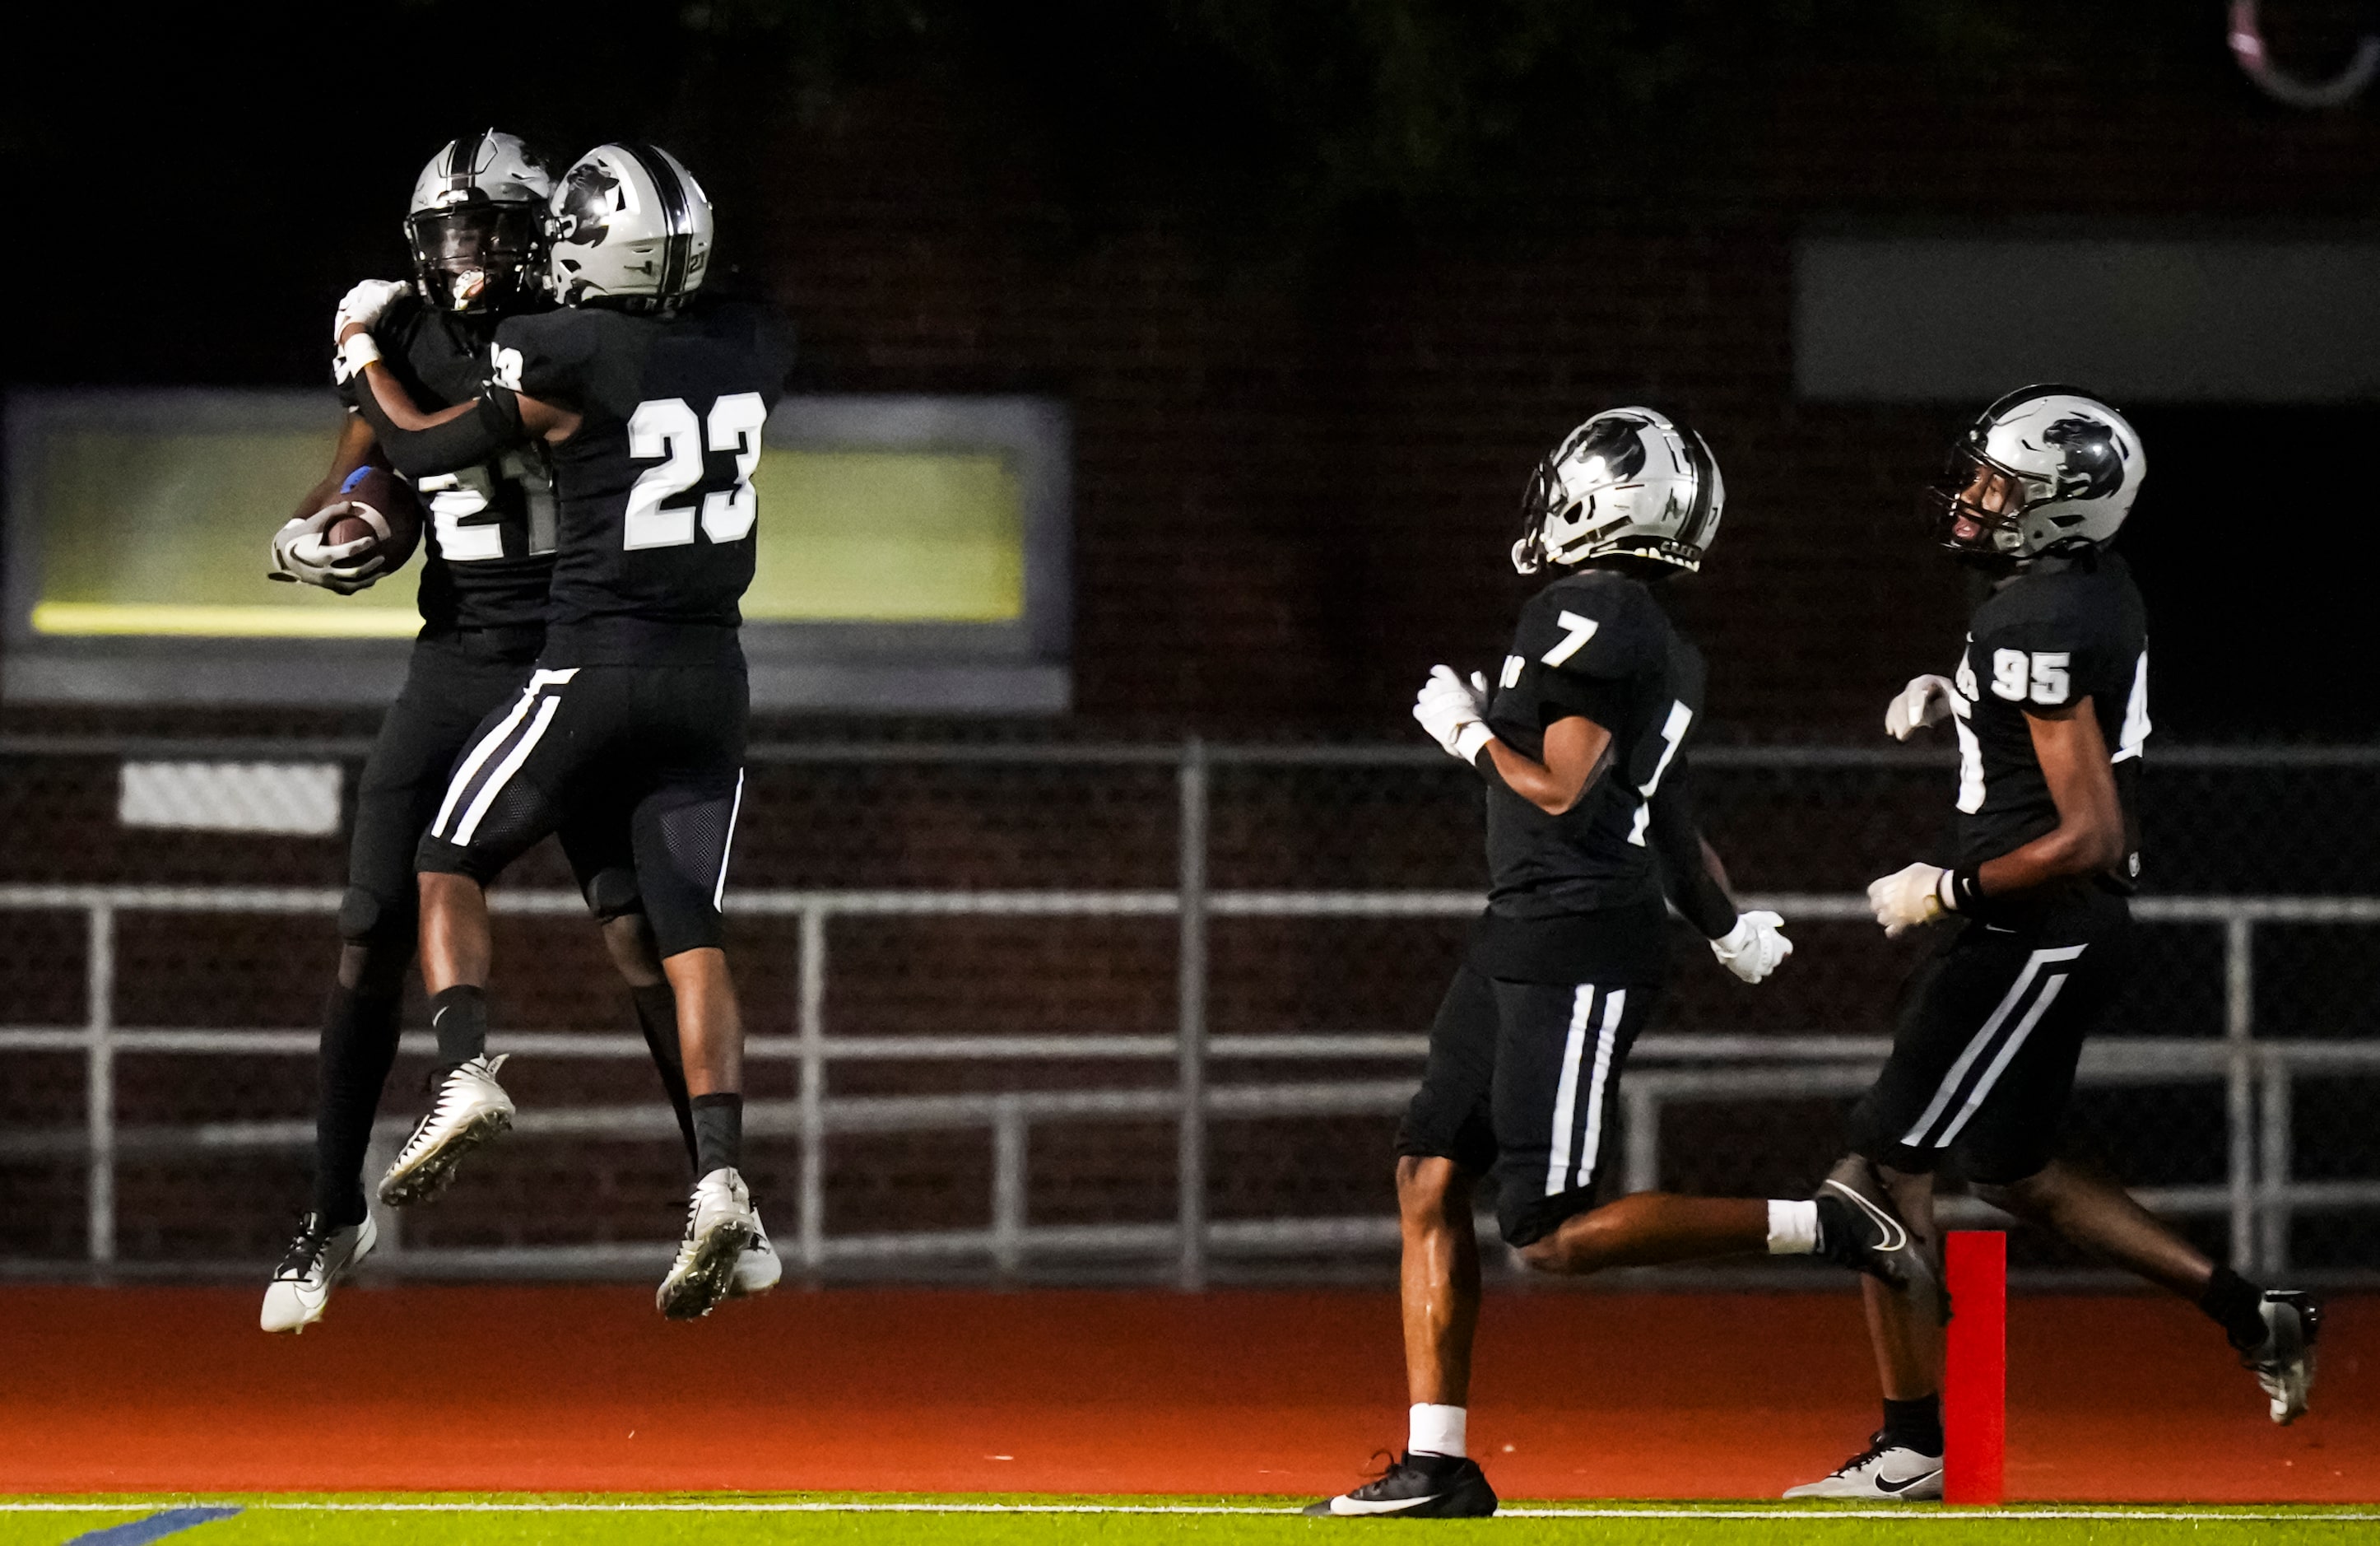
(1974, 1375)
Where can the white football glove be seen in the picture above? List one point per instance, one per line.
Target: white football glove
(365, 304)
(300, 555)
(1907, 898)
(1754, 947)
(1452, 710)
(1925, 701)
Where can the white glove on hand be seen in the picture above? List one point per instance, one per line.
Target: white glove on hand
(1452, 710)
(1907, 898)
(300, 555)
(1754, 947)
(365, 304)
(1925, 701)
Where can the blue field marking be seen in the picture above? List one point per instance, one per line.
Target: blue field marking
(140, 1532)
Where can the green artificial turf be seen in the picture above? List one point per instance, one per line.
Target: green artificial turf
(402, 1519)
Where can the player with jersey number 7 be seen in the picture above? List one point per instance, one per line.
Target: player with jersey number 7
(1584, 742)
(2050, 705)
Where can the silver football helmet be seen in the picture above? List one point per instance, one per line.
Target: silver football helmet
(1630, 482)
(476, 224)
(631, 226)
(2042, 467)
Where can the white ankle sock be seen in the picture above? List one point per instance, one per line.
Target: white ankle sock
(1434, 1430)
(1792, 1228)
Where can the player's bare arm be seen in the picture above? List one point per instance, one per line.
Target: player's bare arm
(1577, 750)
(2089, 838)
(355, 449)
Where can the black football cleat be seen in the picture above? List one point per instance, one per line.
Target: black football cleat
(1415, 1487)
(1860, 1228)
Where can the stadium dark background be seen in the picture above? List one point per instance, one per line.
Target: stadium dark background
(1319, 282)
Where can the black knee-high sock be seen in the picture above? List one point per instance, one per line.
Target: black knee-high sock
(657, 1016)
(718, 1132)
(358, 1048)
(2237, 1306)
(460, 1016)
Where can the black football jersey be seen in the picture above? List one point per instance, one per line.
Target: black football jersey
(487, 551)
(1593, 643)
(658, 511)
(2068, 627)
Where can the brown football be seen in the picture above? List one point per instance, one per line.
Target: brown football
(386, 508)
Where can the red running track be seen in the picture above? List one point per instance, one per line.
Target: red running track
(1578, 1395)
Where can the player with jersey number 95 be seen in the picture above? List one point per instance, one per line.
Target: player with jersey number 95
(2050, 705)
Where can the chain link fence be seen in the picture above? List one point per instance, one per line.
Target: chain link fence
(1078, 1012)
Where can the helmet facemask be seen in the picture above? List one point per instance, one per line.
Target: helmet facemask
(477, 257)
(1979, 507)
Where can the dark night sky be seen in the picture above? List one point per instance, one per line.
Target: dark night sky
(205, 190)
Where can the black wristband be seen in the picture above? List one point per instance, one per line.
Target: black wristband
(1966, 889)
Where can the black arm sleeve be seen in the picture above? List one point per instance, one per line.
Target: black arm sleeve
(492, 426)
(1678, 838)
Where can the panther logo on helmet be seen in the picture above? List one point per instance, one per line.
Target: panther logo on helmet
(589, 197)
(2093, 463)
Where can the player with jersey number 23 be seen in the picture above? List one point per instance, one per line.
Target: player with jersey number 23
(650, 397)
(2050, 705)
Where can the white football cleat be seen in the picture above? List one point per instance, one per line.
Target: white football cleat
(471, 1108)
(1881, 1471)
(2283, 1363)
(757, 1267)
(718, 1224)
(317, 1259)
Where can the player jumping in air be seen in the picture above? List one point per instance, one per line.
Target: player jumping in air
(649, 399)
(1583, 744)
(475, 226)
(2050, 703)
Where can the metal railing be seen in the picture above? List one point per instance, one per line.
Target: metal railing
(2259, 1196)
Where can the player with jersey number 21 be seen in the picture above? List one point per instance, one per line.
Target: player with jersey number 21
(1584, 744)
(477, 229)
(650, 397)
(2050, 703)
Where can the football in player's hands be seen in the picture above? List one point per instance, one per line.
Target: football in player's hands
(370, 530)
(1925, 701)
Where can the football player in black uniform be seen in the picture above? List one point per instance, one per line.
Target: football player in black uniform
(2050, 703)
(1582, 743)
(475, 228)
(649, 398)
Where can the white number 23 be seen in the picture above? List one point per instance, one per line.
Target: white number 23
(665, 428)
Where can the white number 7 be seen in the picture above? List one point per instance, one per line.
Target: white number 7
(1576, 631)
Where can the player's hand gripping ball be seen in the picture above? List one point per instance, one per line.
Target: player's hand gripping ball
(346, 545)
(1925, 701)
(1908, 898)
(1754, 947)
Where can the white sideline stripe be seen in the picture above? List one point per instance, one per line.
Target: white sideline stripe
(479, 755)
(1614, 1004)
(1566, 1090)
(718, 892)
(1915, 1137)
(1912, 1514)
(469, 825)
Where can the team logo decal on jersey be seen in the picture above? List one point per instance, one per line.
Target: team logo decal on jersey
(2092, 464)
